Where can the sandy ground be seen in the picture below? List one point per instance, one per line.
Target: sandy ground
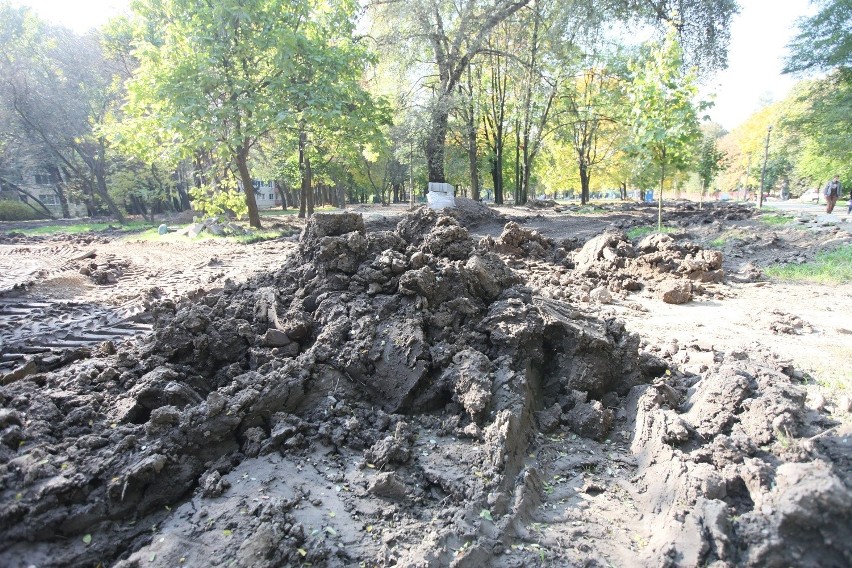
(744, 396)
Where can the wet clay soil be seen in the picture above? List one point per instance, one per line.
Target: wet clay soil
(475, 387)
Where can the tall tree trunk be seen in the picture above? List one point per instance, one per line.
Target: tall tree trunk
(306, 196)
(101, 190)
(517, 160)
(248, 185)
(497, 173)
(585, 177)
(494, 123)
(279, 187)
(97, 166)
(471, 139)
(660, 200)
(59, 187)
(436, 142)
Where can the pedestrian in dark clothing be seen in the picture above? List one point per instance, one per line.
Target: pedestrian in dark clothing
(832, 192)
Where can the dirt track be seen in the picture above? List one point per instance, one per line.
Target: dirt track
(503, 388)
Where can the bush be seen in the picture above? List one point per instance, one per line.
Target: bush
(12, 210)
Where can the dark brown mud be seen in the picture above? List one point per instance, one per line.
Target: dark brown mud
(422, 397)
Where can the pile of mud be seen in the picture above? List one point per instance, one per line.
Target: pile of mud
(404, 397)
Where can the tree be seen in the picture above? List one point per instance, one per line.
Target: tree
(493, 83)
(456, 34)
(58, 90)
(816, 125)
(824, 40)
(209, 74)
(219, 77)
(711, 160)
(589, 117)
(665, 122)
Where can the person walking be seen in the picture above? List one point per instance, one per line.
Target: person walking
(832, 192)
(849, 209)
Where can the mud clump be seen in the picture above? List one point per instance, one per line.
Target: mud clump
(673, 269)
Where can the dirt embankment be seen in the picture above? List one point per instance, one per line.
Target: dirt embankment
(417, 397)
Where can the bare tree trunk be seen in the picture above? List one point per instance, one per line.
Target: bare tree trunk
(279, 187)
(306, 198)
(59, 188)
(517, 160)
(585, 178)
(436, 142)
(248, 185)
(98, 168)
(471, 139)
(660, 200)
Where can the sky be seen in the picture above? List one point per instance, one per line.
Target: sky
(759, 34)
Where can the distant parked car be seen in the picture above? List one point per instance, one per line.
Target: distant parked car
(810, 196)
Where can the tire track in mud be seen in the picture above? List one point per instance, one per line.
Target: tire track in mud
(36, 327)
(48, 308)
(21, 266)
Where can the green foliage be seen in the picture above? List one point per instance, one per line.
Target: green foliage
(665, 121)
(834, 267)
(825, 39)
(13, 210)
(57, 91)
(220, 201)
(818, 116)
(219, 78)
(711, 161)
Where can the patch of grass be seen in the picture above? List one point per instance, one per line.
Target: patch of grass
(776, 219)
(293, 211)
(727, 237)
(86, 228)
(256, 236)
(832, 267)
(644, 230)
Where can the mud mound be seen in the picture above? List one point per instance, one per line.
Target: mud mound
(541, 204)
(403, 397)
(672, 268)
(518, 241)
(722, 445)
(470, 213)
(411, 321)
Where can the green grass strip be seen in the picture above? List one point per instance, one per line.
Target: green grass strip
(832, 267)
(776, 219)
(84, 228)
(644, 230)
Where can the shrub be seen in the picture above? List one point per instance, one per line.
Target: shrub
(13, 210)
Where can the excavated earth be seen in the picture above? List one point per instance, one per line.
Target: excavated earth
(473, 387)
